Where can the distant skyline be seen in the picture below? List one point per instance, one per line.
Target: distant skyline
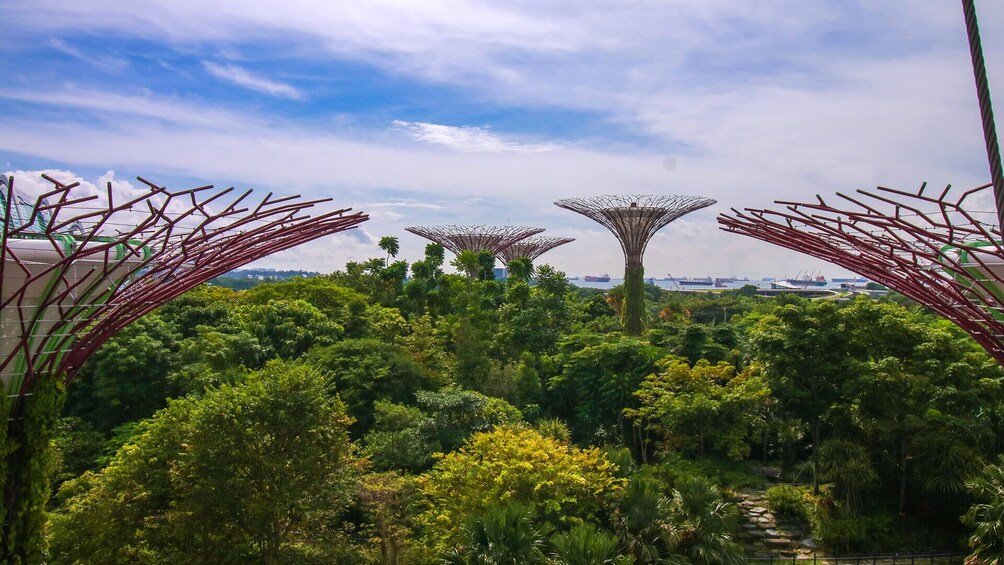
(487, 112)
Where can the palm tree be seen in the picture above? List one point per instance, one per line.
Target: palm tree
(706, 522)
(520, 269)
(502, 535)
(646, 528)
(390, 245)
(987, 517)
(585, 545)
(847, 464)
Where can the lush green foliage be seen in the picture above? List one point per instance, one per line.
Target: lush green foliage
(259, 471)
(509, 420)
(502, 534)
(585, 545)
(26, 463)
(694, 408)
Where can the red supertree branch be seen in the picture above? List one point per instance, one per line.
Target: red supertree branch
(76, 270)
(928, 248)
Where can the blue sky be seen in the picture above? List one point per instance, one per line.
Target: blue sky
(487, 112)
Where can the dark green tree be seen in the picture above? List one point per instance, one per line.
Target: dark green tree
(520, 270)
(366, 370)
(128, 377)
(804, 350)
(425, 292)
(288, 328)
(340, 305)
(267, 463)
(597, 383)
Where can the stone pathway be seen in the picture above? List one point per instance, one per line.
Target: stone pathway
(764, 535)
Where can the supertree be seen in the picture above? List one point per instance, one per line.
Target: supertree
(531, 247)
(634, 219)
(76, 268)
(928, 247)
(478, 238)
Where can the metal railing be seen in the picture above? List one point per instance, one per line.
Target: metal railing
(944, 558)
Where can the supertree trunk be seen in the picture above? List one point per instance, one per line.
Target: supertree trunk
(26, 466)
(634, 297)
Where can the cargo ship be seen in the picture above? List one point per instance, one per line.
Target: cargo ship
(602, 278)
(706, 281)
(806, 281)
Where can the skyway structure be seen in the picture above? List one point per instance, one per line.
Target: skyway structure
(75, 268)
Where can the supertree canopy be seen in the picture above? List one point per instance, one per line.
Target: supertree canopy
(531, 247)
(76, 269)
(493, 239)
(634, 219)
(928, 247)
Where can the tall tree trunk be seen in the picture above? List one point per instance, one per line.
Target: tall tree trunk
(902, 476)
(766, 428)
(815, 459)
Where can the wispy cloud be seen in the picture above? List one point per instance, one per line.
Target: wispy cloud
(147, 106)
(404, 203)
(243, 77)
(105, 63)
(470, 138)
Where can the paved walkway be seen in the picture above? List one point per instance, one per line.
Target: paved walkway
(765, 535)
(769, 539)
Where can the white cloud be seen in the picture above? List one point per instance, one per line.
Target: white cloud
(470, 138)
(387, 214)
(105, 63)
(243, 77)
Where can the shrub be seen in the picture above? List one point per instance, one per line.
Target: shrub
(788, 501)
(846, 534)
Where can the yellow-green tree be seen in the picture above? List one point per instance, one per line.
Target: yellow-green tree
(557, 481)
